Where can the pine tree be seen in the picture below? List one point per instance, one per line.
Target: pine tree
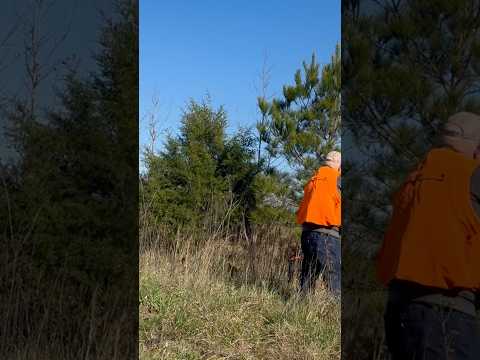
(304, 125)
(407, 68)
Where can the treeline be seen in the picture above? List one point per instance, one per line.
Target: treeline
(203, 178)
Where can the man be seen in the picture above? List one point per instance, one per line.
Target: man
(320, 216)
(431, 251)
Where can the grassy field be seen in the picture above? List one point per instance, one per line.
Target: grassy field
(190, 309)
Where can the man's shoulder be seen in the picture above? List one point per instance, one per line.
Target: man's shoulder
(327, 171)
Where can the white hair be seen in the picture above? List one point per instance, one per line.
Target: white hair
(462, 132)
(333, 159)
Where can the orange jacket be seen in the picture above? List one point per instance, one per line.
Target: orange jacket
(434, 235)
(321, 203)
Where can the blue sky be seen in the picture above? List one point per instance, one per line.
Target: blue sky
(191, 48)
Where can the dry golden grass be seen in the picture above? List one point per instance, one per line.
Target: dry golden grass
(48, 313)
(194, 306)
(48, 318)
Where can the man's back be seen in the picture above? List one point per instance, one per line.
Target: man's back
(321, 203)
(434, 232)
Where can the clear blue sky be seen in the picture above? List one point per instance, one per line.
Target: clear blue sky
(191, 48)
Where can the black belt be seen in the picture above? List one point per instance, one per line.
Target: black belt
(457, 299)
(312, 226)
(330, 230)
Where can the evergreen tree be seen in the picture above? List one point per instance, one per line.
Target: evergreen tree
(408, 66)
(78, 168)
(304, 125)
(72, 202)
(202, 172)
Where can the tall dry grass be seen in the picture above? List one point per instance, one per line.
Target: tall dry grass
(363, 306)
(48, 313)
(215, 295)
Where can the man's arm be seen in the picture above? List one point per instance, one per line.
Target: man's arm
(475, 198)
(475, 191)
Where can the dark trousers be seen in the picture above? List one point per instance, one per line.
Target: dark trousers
(428, 332)
(321, 256)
